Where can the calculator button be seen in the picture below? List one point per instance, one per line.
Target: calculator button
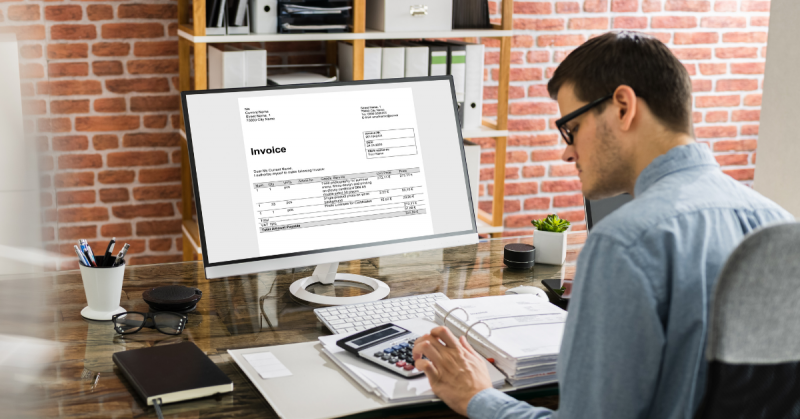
(393, 359)
(396, 347)
(387, 350)
(378, 354)
(408, 367)
(403, 345)
(400, 363)
(385, 356)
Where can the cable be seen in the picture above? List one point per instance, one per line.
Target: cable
(157, 405)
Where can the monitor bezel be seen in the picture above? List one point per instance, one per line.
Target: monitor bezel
(328, 255)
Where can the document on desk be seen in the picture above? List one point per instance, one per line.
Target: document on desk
(364, 176)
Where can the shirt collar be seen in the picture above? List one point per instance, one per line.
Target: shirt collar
(677, 159)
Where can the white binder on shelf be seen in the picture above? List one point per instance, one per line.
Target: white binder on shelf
(264, 16)
(457, 67)
(393, 61)
(473, 85)
(225, 67)
(255, 66)
(416, 60)
(373, 54)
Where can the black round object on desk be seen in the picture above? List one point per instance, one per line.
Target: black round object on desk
(519, 256)
(175, 298)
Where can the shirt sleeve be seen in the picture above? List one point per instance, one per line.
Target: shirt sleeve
(493, 404)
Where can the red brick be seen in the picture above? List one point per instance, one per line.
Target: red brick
(25, 32)
(160, 175)
(588, 23)
(111, 49)
(69, 106)
(516, 156)
(34, 107)
(100, 12)
(735, 145)
(755, 6)
(114, 195)
(746, 115)
(715, 132)
(532, 171)
(709, 69)
(63, 13)
(75, 197)
(532, 8)
(537, 90)
(67, 69)
(630, 22)
(147, 11)
(116, 230)
(24, 12)
(723, 22)
(160, 245)
(75, 233)
(537, 203)
(158, 228)
(621, 6)
(30, 51)
(155, 121)
(732, 159)
(747, 68)
(155, 49)
(677, 22)
(539, 24)
(73, 32)
(74, 87)
(116, 176)
(142, 85)
(692, 53)
(560, 40)
(107, 68)
(753, 100)
(664, 37)
(143, 210)
(70, 143)
(737, 52)
(80, 161)
(148, 193)
(717, 116)
(745, 37)
(137, 158)
(575, 200)
(73, 180)
(685, 38)
(651, 6)
(155, 103)
(560, 170)
(687, 6)
(53, 125)
(105, 142)
(533, 108)
(522, 220)
(132, 30)
(595, 6)
(152, 66)
(732, 85)
(514, 92)
(171, 139)
(521, 41)
(111, 104)
(690, 68)
(749, 130)
(521, 74)
(521, 188)
(107, 123)
(740, 174)
(568, 7)
(717, 101)
(725, 6)
(546, 155)
(759, 21)
(83, 214)
(701, 85)
(533, 140)
(31, 71)
(526, 124)
(558, 56)
(572, 216)
(487, 157)
(561, 185)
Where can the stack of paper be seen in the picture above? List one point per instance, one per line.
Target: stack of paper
(522, 333)
(390, 387)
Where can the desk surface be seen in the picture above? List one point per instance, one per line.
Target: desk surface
(243, 312)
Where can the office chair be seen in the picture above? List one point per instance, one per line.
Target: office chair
(754, 330)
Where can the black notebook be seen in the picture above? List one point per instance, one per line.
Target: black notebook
(172, 372)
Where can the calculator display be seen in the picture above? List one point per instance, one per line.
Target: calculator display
(374, 337)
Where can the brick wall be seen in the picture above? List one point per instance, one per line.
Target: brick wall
(100, 77)
(721, 43)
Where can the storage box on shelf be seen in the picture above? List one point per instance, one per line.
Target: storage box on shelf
(193, 43)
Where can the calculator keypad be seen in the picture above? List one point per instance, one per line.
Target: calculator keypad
(395, 355)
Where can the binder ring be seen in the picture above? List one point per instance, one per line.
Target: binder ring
(444, 323)
(478, 322)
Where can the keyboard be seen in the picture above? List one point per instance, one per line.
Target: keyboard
(357, 317)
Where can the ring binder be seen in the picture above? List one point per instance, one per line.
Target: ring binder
(477, 323)
(444, 323)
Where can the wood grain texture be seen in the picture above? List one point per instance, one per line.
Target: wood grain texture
(243, 312)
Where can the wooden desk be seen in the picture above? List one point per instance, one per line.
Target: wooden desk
(243, 312)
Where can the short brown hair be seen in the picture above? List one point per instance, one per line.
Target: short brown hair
(640, 61)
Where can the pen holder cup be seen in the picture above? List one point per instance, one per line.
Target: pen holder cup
(103, 288)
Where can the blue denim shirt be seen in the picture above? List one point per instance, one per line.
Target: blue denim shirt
(635, 336)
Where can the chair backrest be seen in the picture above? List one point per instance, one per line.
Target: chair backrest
(754, 329)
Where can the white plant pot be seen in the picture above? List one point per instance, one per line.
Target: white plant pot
(551, 248)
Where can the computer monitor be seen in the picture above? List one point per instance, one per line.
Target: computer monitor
(598, 209)
(315, 174)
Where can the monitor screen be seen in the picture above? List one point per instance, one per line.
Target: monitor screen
(300, 175)
(598, 209)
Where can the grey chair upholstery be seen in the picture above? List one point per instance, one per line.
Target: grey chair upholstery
(754, 330)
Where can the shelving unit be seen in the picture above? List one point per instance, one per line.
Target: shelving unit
(193, 47)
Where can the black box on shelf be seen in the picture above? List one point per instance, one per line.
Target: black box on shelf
(315, 16)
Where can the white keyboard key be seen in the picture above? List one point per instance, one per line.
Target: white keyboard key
(358, 323)
(335, 322)
(348, 325)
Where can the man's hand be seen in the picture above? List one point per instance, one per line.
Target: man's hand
(456, 372)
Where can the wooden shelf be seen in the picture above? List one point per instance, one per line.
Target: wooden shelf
(485, 228)
(483, 131)
(192, 233)
(345, 36)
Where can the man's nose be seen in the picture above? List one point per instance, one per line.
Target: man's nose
(569, 155)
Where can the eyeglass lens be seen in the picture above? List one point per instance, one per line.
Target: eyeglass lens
(566, 135)
(169, 323)
(129, 322)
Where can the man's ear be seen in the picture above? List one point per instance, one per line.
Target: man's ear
(625, 101)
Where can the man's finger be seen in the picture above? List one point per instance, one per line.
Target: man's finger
(433, 341)
(445, 335)
(429, 369)
(466, 345)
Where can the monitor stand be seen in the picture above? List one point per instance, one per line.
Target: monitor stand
(326, 274)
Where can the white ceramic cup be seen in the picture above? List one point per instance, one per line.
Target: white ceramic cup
(103, 288)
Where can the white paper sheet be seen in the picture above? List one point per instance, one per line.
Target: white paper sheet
(267, 365)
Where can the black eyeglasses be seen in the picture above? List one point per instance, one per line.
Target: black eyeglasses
(164, 321)
(561, 124)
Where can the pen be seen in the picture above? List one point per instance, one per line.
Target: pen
(84, 245)
(121, 255)
(109, 249)
(89, 253)
(81, 257)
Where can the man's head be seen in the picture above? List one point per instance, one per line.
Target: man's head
(648, 110)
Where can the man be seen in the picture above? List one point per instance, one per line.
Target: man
(635, 335)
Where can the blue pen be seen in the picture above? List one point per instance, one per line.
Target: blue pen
(81, 257)
(87, 251)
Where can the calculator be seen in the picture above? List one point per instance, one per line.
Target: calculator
(387, 345)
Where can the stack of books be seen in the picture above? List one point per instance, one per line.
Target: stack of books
(520, 333)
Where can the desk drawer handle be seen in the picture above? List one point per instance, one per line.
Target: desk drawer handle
(418, 10)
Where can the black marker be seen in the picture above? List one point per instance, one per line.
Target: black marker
(107, 255)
